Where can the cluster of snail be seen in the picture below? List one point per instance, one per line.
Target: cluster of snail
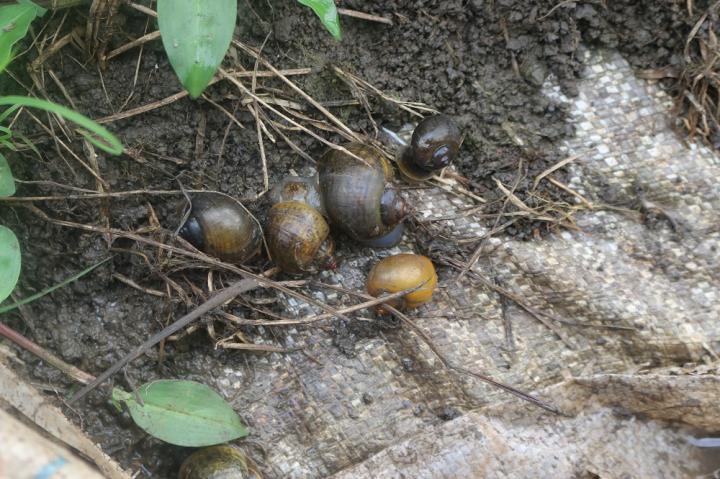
(352, 191)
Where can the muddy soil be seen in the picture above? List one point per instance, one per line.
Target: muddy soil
(482, 62)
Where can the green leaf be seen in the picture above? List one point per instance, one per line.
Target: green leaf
(327, 12)
(7, 184)
(14, 23)
(8, 112)
(184, 413)
(30, 299)
(5, 137)
(196, 34)
(95, 134)
(9, 262)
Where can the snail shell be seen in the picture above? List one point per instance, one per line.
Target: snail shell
(298, 238)
(220, 226)
(217, 462)
(357, 197)
(433, 146)
(401, 272)
(298, 188)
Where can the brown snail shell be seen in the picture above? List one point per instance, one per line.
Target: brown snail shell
(217, 462)
(434, 145)
(220, 226)
(298, 188)
(298, 238)
(357, 197)
(400, 272)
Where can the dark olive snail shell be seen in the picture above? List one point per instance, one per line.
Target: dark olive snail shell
(400, 272)
(357, 197)
(220, 226)
(434, 145)
(298, 238)
(217, 462)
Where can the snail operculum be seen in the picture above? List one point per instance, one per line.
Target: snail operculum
(192, 231)
(393, 208)
(220, 226)
(433, 146)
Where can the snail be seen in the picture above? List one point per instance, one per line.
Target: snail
(434, 145)
(220, 226)
(217, 462)
(298, 188)
(357, 197)
(400, 272)
(298, 238)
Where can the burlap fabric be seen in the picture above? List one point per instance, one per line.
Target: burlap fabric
(644, 261)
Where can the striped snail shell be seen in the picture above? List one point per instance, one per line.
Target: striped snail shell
(357, 196)
(220, 226)
(298, 238)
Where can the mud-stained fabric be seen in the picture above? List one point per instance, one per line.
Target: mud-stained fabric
(604, 438)
(639, 279)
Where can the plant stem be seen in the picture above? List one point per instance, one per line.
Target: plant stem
(70, 370)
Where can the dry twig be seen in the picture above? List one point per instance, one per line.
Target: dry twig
(364, 16)
(218, 299)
